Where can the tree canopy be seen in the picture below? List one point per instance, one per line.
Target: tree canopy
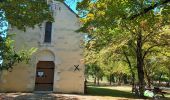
(133, 28)
(24, 13)
(20, 14)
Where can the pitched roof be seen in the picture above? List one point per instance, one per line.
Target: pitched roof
(70, 9)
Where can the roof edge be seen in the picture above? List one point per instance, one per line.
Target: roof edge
(70, 9)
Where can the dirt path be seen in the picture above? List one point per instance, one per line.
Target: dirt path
(52, 96)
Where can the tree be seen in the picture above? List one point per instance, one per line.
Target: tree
(24, 13)
(20, 14)
(139, 21)
(107, 63)
(93, 67)
(113, 64)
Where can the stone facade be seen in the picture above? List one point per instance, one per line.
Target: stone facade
(64, 50)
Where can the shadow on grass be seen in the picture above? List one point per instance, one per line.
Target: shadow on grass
(101, 91)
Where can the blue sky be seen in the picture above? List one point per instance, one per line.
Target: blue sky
(72, 4)
(3, 24)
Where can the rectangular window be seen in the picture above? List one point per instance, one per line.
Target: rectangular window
(48, 30)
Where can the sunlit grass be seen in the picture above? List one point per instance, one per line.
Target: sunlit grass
(114, 91)
(109, 91)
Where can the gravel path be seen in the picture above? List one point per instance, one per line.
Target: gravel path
(52, 96)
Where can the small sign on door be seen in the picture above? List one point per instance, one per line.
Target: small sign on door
(40, 74)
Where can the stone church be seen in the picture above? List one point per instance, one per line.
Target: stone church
(57, 64)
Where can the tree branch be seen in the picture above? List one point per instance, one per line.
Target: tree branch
(148, 50)
(149, 8)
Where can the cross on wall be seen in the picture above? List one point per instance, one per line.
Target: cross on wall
(76, 68)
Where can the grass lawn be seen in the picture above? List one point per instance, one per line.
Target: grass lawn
(113, 91)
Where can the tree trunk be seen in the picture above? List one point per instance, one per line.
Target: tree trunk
(140, 63)
(95, 80)
(125, 80)
(160, 79)
(98, 79)
(133, 79)
(110, 79)
(148, 78)
(119, 79)
(131, 70)
(85, 86)
(149, 81)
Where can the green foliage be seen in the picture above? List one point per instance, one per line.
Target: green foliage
(20, 14)
(24, 13)
(94, 70)
(134, 31)
(9, 56)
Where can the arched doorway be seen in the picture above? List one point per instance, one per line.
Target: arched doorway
(44, 76)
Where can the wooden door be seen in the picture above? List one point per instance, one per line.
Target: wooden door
(44, 76)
